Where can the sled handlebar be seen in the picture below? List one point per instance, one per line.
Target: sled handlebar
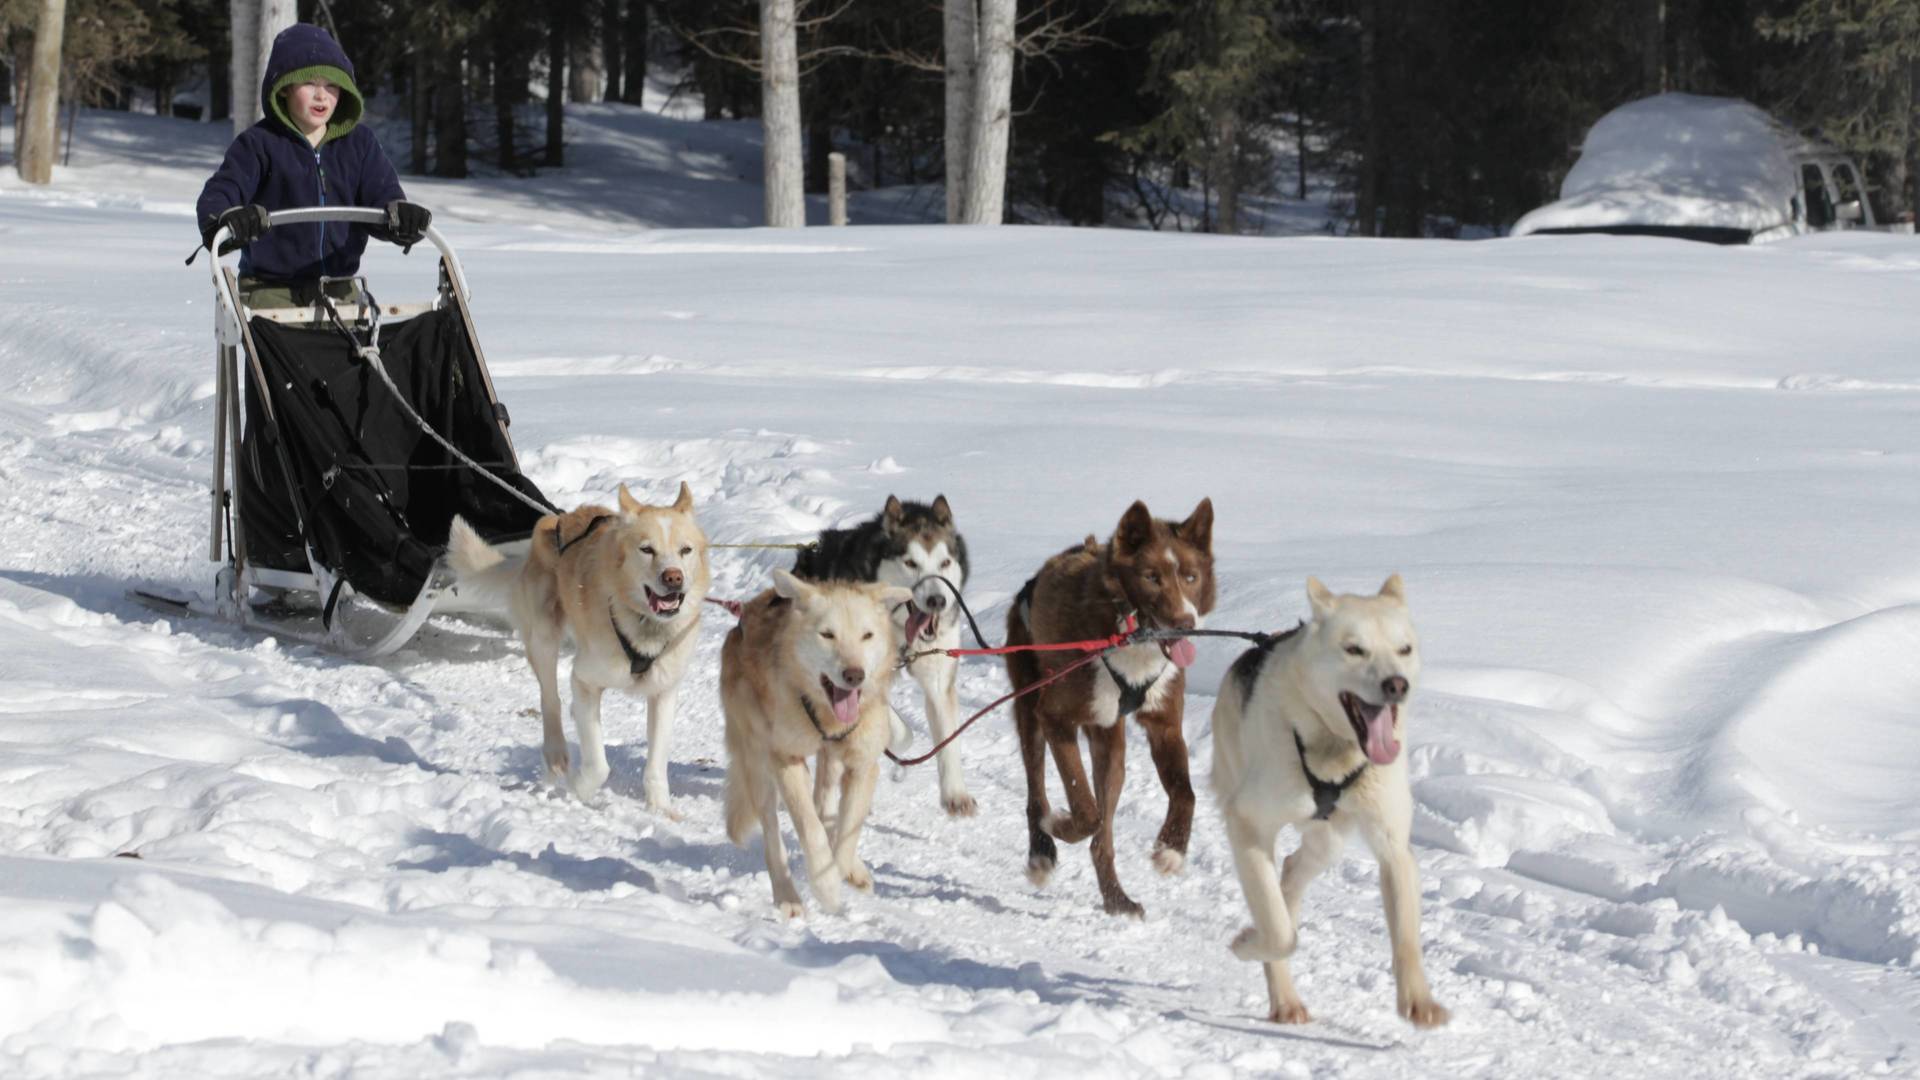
(357, 215)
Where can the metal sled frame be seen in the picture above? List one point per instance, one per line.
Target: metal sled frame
(236, 359)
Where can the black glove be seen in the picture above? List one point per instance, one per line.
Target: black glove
(407, 223)
(244, 225)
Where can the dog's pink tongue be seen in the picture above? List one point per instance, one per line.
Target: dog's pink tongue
(1182, 652)
(846, 706)
(1382, 747)
(917, 621)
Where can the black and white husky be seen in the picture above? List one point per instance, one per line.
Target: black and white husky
(914, 546)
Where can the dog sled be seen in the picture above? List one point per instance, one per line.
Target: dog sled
(347, 435)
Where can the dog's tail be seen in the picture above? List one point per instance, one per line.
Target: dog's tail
(481, 573)
(747, 781)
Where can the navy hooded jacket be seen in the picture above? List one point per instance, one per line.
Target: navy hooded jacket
(272, 164)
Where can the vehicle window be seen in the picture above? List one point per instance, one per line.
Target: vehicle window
(1846, 186)
(1819, 200)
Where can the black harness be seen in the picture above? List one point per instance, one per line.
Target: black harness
(1246, 671)
(812, 718)
(1325, 793)
(1132, 695)
(638, 662)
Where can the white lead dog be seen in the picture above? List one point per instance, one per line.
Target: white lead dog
(1306, 732)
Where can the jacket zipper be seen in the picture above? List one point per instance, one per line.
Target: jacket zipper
(321, 251)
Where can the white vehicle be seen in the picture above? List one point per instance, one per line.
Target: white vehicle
(1704, 168)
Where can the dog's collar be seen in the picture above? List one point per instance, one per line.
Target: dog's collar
(1325, 793)
(638, 662)
(814, 719)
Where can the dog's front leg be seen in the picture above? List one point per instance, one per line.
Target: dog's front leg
(1271, 937)
(586, 725)
(543, 656)
(660, 712)
(1083, 808)
(855, 802)
(1109, 746)
(828, 771)
(786, 896)
(1400, 890)
(1168, 744)
(938, 679)
(794, 782)
(1041, 852)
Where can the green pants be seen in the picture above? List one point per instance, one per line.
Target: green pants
(260, 294)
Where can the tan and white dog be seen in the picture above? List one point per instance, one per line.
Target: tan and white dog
(1306, 732)
(806, 673)
(625, 586)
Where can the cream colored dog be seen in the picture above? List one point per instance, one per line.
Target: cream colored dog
(625, 587)
(806, 673)
(1306, 732)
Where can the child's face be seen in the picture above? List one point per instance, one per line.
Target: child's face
(311, 103)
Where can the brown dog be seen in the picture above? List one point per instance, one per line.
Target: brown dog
(1161, 573)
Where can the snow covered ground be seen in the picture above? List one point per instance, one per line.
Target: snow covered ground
(1655, 504)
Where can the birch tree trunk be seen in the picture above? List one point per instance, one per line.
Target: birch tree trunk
(255, 24)
(780, 115)
(556, 85)
(1227, 170)
(961, 50)
(245, 64)
(584, 70)
(992, 120)
(39, 117)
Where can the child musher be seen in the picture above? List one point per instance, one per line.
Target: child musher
(311, 150)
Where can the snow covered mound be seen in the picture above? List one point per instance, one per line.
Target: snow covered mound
(1679, 161)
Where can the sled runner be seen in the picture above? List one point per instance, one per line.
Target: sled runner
(347, 435)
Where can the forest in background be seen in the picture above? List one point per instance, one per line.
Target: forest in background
(1421, 119)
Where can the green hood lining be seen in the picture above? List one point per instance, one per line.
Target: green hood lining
(345, 115)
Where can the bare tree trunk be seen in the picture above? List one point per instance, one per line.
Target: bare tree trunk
(450, 115)
(961, 48)
(1913, 143)
(612, 32)
(509, 79)
(986, 197)
(1300, 138)
(634, 89)
(1366, 195)
(246, 63)
(556, 84)
(41, 116)
(836, 188)
(422, 105)
(1226, 167)
(583, 59)
(22, 63)
(780, 115)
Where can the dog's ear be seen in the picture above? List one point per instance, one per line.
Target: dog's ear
(792, 588)
(1136, 528)
(1320, 598)
(1394, 589)
(1198, 528)
(895, 512)
(628, 503)
(942, 513)
(684, 503)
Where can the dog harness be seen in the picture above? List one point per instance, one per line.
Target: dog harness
(1132, 695)
(638, 662)
(812, 718)
(1325, 793)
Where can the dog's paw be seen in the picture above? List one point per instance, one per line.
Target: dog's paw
(1424, 1012)
(961, 805)
(587, 783)
(826, 892)
(791, 909)
(1039, 869)
(1249, 945)
(859, 876)
(1169, 860)
(666, 809)
(1124, 905)
(1290, 1012)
